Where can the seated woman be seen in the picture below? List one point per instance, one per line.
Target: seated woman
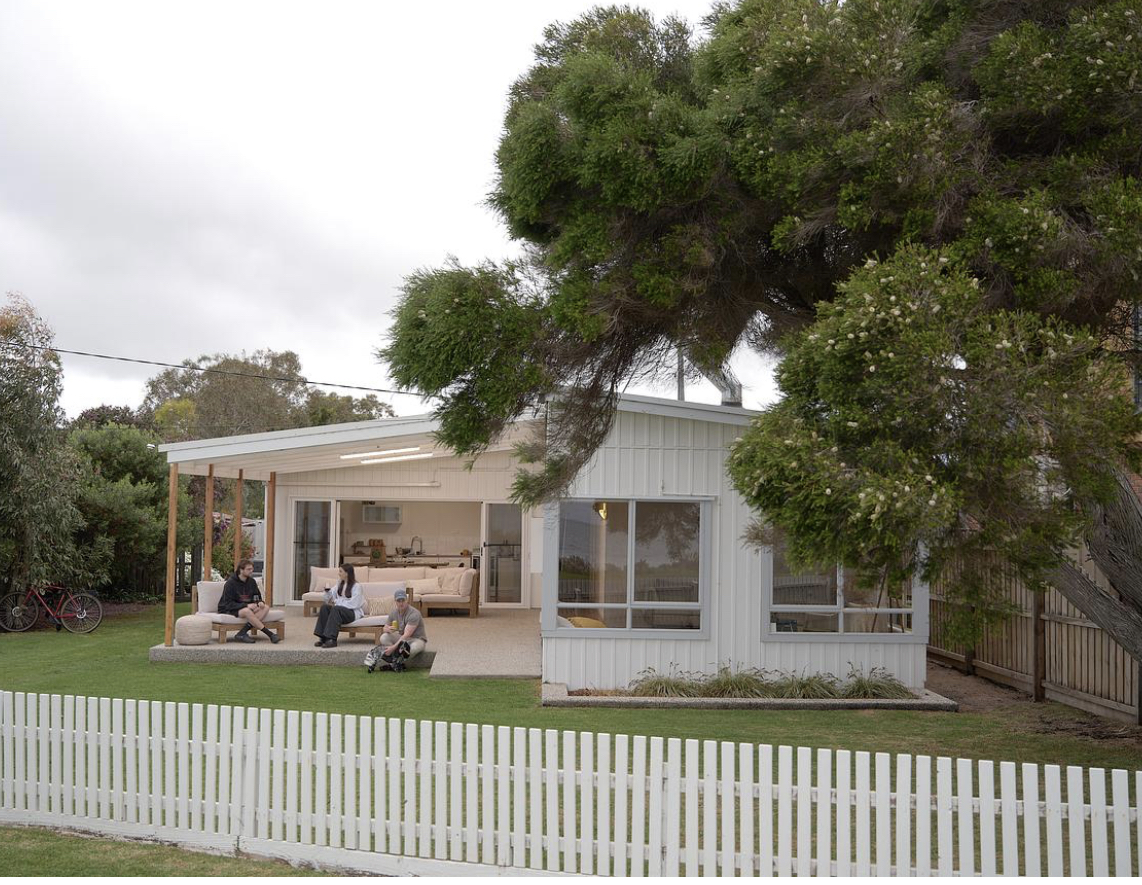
(242, 599)
(343, 604)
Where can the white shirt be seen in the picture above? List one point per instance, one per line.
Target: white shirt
(355, 601)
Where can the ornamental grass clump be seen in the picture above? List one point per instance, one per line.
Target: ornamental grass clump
(877, 683)
(652, 684)
(727, 683)
(819, 686)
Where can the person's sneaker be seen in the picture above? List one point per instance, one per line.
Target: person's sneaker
(244, 637)
(274, 638)
(319, 643)
(329, 643)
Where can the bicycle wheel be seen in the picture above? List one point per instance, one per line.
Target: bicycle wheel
(81, 612)
(18, 611)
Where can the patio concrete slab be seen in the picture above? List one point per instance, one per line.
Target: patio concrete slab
(499, 643)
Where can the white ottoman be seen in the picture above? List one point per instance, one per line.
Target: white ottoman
(192, 630)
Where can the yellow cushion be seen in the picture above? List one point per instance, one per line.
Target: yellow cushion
(586, 622)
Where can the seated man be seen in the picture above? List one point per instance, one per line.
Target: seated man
(405, 627)
(242, 599)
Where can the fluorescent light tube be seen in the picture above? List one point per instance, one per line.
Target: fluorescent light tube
(399, 458)
(374, 454)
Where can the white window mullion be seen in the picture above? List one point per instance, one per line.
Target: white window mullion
(633, 506)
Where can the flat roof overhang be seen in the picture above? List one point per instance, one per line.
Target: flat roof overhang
(304, 449)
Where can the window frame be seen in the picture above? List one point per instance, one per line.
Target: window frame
(918, 611)
(705, 552)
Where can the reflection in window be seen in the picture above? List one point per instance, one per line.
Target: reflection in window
(593, 551)
(830, 600)
(630, 564)
(666, 552)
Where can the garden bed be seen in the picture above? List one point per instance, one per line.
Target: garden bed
(556, 695)
(753, 689)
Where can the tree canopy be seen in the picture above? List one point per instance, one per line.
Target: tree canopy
(39, 473)
(242, 393)
(775, 184)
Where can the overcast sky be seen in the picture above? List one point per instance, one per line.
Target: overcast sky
(188, 178)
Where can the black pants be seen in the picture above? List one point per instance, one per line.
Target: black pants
(330, 619)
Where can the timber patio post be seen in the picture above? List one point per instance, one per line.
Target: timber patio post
(238, 522)
(271, 500)
(207, 538)
(172, 527)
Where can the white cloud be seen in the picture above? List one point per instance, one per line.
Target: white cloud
(187, 178)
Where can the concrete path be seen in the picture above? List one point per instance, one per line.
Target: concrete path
(498, 643)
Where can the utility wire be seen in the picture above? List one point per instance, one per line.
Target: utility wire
(127, 359)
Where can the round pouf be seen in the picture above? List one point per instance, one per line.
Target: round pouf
(192, 630)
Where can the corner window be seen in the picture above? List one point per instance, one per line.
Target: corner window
(835, 600)
(630, 565)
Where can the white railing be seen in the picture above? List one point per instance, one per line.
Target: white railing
(327, 787)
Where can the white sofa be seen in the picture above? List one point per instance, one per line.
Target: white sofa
(462, 594)
(209, 592)
(459, 589)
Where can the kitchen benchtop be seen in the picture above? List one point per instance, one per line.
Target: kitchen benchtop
(414, 559)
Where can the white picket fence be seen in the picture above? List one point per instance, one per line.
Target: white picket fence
(433, 794)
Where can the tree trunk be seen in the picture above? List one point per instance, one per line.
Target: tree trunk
(1119, 619)
(1115, 541)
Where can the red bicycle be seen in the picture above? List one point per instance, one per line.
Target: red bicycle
(78, 612)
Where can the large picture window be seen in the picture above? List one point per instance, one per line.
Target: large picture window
(630, 565)
(835, 600)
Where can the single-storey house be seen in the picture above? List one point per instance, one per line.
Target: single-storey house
(642, 564)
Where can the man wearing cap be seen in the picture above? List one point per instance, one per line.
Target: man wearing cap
(405, 625)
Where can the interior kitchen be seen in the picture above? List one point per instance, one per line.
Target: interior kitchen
(424, 533)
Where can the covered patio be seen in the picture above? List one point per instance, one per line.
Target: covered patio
(336, 494)
(503, 643)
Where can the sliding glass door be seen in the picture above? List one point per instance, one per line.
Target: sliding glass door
(503, 554)
(312, 547)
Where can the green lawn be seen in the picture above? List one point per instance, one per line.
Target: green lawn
(32, 851)
(112, 662)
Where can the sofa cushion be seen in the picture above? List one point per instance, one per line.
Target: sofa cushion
(372, 621)
(395, 573)
(316, 575)
(373, 590)
(450, 598)
(469, 581)
(450, 580)
(376, 606)
(273, 617)
(314, 596)
(209, 592)
(419, 588)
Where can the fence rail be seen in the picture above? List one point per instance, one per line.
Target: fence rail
(544, 800)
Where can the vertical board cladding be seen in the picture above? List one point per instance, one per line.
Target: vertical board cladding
(665, 457)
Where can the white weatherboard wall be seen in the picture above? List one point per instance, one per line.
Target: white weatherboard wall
(654, 456)
(438, 479)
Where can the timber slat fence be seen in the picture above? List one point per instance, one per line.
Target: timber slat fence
(303, 784)
(1046, 648)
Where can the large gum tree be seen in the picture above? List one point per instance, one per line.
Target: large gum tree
(929, 211)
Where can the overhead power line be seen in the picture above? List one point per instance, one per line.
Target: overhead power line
(209, 371)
